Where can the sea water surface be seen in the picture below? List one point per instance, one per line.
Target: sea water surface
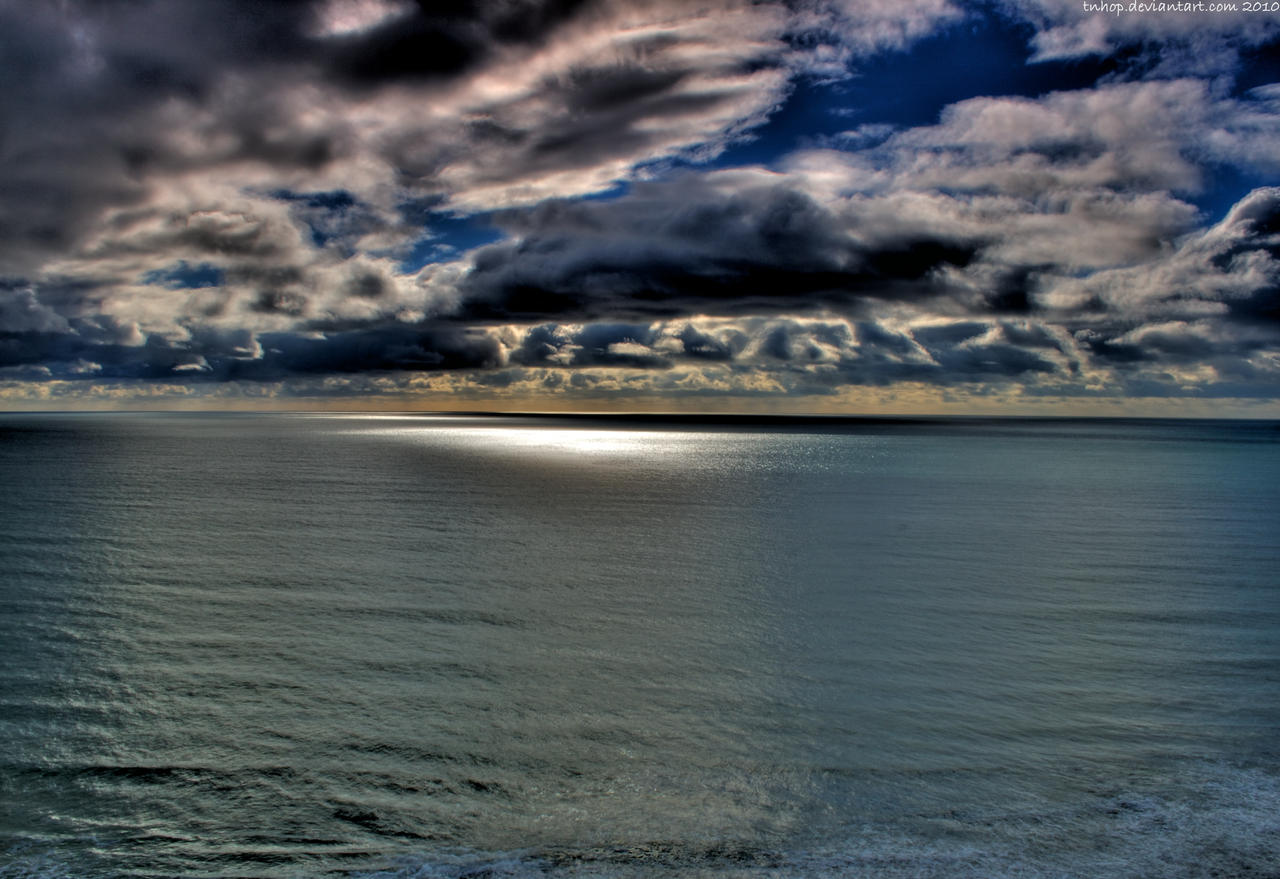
(425, 646)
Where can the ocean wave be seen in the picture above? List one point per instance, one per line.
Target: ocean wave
(1211, 820)
(1224, 822)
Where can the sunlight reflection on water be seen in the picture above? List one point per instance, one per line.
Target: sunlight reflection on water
(626, 449)
(463, 433)
(579, 441)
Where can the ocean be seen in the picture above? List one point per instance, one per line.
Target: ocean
(250, 645)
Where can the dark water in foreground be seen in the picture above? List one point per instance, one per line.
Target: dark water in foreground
(435, 647)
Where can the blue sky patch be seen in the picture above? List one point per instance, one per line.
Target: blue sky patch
(447, 235)
(184, 276)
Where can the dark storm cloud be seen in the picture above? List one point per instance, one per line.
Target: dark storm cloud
(540, 345)
(708, 346)
(1029, 336)
(616, 345)
(22, 312)
(441, 38)
(367, 285)
(233, 190)
(1145, 328)
(85, 124)
(1011, 291)
(212, 355)
(76, 72)
(982, 213)
(110, 57)
(988, 361)
(77, 354)
(822, 354)
(383, 348)
(55, 302)
(806, 353)
(1228, 274)
(947, 336)
(623, 345)
(685, 247)
(790, 340)
(1256, 249)
(208, 234)
(335, 220)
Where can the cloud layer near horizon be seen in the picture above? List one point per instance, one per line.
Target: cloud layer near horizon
(547, 197)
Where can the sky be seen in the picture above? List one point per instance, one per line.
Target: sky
(826, 206)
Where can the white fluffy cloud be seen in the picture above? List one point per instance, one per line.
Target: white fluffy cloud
(1203, 40)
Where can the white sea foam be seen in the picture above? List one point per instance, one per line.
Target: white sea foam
(1214, 821)
(27, 861)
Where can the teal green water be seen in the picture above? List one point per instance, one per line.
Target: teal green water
(296, 646)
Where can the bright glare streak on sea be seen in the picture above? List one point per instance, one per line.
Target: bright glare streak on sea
(297, 646)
